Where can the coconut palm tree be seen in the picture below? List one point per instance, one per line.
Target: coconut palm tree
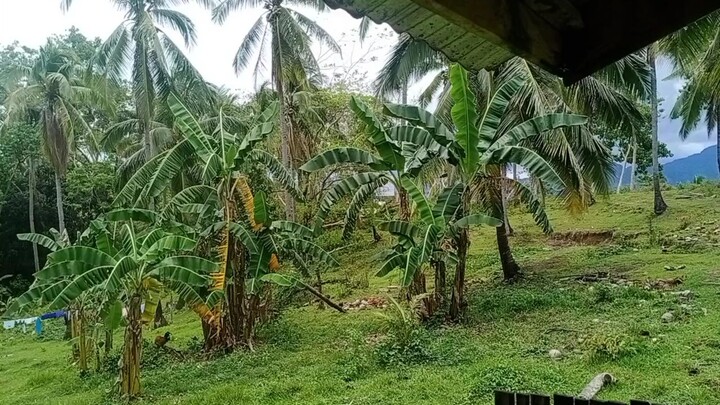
(140, 41)
(285, 35)
(700, 95)
(51, 96)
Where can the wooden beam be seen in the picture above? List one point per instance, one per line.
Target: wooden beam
(616, 28)
(507, 23)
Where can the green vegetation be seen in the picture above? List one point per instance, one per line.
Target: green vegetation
(320, 356)
(214, 223)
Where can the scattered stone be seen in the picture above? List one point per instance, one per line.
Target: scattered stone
(685, 294)
(686, 307)
(369, 303)
(555, 354)
(636, 250)
(654, 340)
(668, 317)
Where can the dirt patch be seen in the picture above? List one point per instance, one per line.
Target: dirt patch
(581, 238)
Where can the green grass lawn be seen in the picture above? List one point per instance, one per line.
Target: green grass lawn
(314, 356)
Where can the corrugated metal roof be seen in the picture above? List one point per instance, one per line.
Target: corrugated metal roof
(456, 42)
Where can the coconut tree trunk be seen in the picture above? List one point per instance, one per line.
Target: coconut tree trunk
(132, 352)
(659, 203)
(159, 320)
(462, 244)
(285, 127)
(509, 267)
(59, 203)
(717, 144)
(622, 172)
(634, 164)
(31, 208)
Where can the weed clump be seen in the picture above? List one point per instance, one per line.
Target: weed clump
(609, 347)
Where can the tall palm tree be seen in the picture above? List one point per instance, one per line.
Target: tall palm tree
(140, 41)
(701, 93)
(51, 95)
(285, 35)
(659, 205)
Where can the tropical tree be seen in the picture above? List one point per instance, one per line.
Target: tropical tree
(483, 144)
(700, 98)
(140, 41)
(51, 96)
(285, 35)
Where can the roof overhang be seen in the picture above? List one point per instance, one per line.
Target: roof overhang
(570, 38)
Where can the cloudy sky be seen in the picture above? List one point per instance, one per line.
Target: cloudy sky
(217, 44)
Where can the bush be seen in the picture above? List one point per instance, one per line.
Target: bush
(604, 347)
(358, 359)
(503, 378)
(406, 341)
(602, 294)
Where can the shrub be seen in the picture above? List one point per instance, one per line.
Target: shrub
(502, 378)
(611, 346)
(406, 341)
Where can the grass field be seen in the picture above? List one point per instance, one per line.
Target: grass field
(315, 356)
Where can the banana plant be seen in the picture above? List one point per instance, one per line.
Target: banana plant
(398, 151)
(131, 264)
(486, 137)
(427, 242)
(232, 219)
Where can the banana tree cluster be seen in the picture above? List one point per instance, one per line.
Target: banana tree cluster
(231, 219)
(398, 151)
(127, 265)
(486, 136)
(428, 241)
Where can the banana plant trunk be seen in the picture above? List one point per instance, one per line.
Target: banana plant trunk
(457, 299)
(417, 286)
(108, 342)
(31, 209)
(659, 203)
(59, 203)
(82, 341)
(132, 352)
(462, 244)
(440, 282)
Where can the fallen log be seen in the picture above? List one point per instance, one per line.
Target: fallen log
(596, 384)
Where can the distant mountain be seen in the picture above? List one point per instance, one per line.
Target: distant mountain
(682, 170)
(700, 164)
